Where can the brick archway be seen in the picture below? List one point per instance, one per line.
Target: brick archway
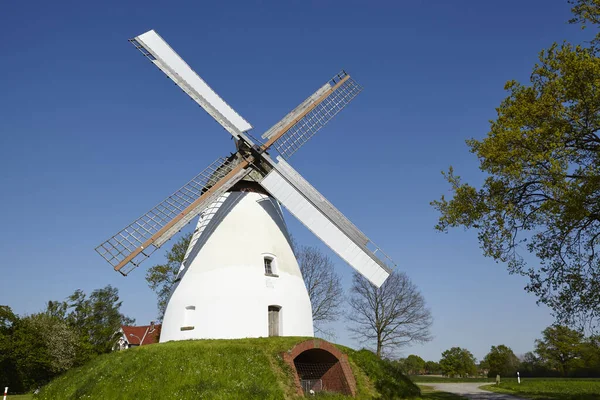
(319, 365)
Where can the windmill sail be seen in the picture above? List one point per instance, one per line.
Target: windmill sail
(129, 247)
(164, 57)
(136, 242)
(325, 221)
(301, 124)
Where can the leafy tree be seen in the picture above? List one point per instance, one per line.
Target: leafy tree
(586, 12)
(391, 316)
(8, 368)
(531, 365)
(161, 277)
(322, 283)
(483, 368)
(458, 362)
(43, 346)
(560, 348)
(432, 368)
(96, 319)
(414, 365)
(501, 360)
(590, 357)
(542, 190)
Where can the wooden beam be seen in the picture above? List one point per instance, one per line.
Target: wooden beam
(286, 128)
(189, 209)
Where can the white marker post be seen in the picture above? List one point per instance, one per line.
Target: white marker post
(5, 392)
(518, 378)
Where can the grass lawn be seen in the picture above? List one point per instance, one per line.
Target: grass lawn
(428, 393)
(550, 388)
(19, 397)
(248, 369)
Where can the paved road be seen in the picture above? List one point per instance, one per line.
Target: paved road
(471, 391)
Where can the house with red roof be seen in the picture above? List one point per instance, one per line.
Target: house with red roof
(132, 336)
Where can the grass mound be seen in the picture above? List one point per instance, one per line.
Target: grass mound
(387, 378)
(214, 369)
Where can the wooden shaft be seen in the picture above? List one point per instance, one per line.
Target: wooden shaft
(303, 114)
(182, 214)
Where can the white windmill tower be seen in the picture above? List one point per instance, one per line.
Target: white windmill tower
(240, 277)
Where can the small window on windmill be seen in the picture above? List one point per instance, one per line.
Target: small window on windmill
(270, 266)
(188, 318)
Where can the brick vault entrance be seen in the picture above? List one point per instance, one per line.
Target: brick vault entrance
(320, 366)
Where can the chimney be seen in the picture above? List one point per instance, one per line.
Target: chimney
(151, 326)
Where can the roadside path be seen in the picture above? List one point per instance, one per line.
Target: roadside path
(471, 391)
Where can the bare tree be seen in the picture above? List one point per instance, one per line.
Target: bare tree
(322, 283)
(392, 316)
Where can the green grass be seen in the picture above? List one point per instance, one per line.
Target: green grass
(429, 393)
(20, 397)
(385, 376)
(550, 388)
(213, 369)
(441, 379)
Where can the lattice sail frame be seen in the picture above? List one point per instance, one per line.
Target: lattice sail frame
(148, 226)
(135, 243)
(304, 129)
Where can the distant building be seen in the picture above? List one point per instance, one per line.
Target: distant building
(132, 336)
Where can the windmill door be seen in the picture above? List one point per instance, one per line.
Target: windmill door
(274, 320)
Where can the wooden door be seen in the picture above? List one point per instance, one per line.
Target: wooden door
(274, 320)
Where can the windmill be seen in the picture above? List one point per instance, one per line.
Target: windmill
(240, 277)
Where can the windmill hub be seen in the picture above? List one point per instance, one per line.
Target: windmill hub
(240, 277)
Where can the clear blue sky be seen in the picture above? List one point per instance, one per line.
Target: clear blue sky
(92, 135)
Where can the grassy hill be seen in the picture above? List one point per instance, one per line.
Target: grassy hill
(215, 369)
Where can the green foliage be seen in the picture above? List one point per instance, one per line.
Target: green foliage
(562, 352)
(590, 357)
(96, 319)
(213, 369)
(413, 365)
(386, 375)
(501, 360)
(542, 161)
(586, 12)
(38, 347)
(550, 389)
(458, 362)
(42, 346)
(560, 348)
(532, 365)
(432, 368)
(161, 277)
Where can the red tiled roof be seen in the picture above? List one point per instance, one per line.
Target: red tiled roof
(135, 334)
